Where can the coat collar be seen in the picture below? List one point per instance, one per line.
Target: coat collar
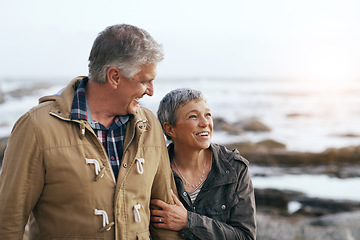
(63, 99)
(221, 172)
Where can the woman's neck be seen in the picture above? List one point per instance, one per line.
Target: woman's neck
(193, 166)
(190, 159)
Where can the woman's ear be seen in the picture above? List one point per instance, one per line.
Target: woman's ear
(169, 129)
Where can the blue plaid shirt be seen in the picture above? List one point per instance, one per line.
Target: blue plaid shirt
(112, 138)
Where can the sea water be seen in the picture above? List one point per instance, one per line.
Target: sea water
(320, 186)
(304, 115)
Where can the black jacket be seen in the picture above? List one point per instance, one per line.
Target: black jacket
(225, 205)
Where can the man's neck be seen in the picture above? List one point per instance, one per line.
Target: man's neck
(97, 96)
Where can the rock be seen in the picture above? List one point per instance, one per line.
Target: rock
(29, 90)
(284, 228)
(260, 148)
(253, 125)
(270, 197)
(349, 135)
(350, 153)
(221, 125)
(328, 233)
(272, 153)
(3, 143)
(277, 225)
(239, 127)
(293, 115)
(2, 98)
(338, 219)
(347, 225)
(321, 206)
(270, 227)
(271, 144)
(277, 201)
(244, 148)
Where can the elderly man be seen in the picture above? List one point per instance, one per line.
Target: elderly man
(85, 162)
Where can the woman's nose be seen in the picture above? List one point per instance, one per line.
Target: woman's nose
(204, 122)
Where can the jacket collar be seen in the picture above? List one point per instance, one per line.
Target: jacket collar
(136, 127)
(63, 99)
(221, 172)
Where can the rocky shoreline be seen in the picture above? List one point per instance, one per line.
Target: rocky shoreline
(314, 218)
(341, 226)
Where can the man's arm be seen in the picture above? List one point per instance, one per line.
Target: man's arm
(21, 179)
(163, 184)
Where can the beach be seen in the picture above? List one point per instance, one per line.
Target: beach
(301, 137)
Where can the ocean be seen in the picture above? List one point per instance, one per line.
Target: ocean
(302, 114)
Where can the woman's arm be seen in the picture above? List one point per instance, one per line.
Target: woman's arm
(173, 217)
(240, 225)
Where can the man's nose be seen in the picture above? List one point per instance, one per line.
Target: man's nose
(150, 89)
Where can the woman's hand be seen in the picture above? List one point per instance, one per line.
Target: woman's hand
(172, 217)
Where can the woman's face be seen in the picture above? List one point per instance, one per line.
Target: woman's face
(194, 125)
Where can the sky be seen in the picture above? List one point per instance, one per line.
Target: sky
(201, 38)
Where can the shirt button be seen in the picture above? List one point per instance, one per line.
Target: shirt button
(227, 171)
(223, 207)
(104, 164)
(125, 165)
(184, 193)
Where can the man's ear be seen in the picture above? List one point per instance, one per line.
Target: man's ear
(113, 76)
(169, 129)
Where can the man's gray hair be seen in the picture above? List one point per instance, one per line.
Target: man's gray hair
(173, 101)
(123, 46)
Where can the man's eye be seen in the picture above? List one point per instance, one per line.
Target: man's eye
(147, 82)
(192, 116)
(208, 114)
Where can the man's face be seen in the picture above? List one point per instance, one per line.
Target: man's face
(132, 90)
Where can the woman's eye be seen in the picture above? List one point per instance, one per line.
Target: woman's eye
(192, 116)
(208, 114)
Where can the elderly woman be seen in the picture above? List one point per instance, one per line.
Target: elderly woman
(214, 186)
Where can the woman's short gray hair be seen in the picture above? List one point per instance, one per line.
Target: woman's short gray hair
(123, 46)
(173, 101)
